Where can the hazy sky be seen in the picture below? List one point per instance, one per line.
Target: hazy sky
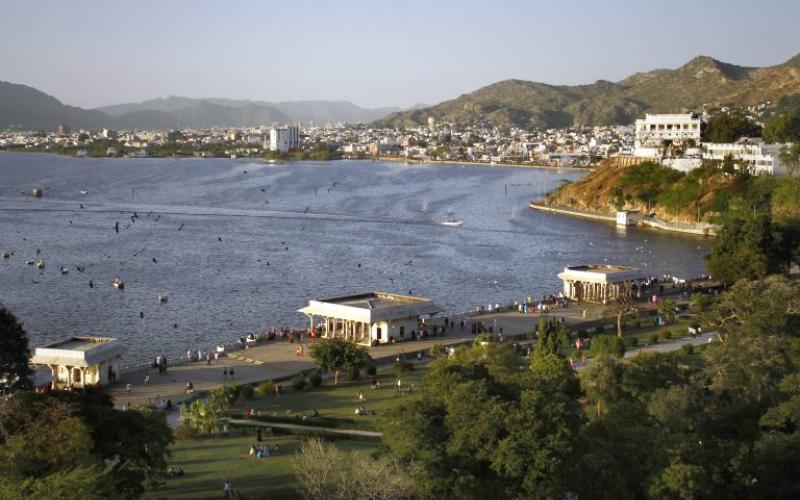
(373, 53)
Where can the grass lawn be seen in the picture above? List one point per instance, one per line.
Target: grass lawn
(209, 462)
(340, 401)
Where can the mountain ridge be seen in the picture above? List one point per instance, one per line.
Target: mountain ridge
(25, 107)
(702, 81)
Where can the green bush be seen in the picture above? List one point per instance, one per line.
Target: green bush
(599, 330)
(687, 349)
(631, 341)
(607, 345)
(637, 323)
(653, 338)
(246, 392)
(437, 351)
(404, 365)
(186, 431)
(372, 370)
(666, 334)
(299, 382)
(482, 337)
(315, 379)
(354, 373)
(265, 388)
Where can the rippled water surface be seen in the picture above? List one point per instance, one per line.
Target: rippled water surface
(240, 245)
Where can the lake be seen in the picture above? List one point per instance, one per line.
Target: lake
(241, 245)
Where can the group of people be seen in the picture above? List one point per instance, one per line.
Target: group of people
(261, 450)
(160, 363)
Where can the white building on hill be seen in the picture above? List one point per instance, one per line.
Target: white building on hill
(656, 132)
(81, 361)
(762, 159)
(284, 139)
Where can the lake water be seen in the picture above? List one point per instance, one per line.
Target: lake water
(241, 245)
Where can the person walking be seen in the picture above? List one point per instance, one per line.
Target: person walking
(230, 372)
(227, 488)
(146, 378)
(225, 373)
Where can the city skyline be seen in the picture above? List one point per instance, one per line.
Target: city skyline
(421, 54)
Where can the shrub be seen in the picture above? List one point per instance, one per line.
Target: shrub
(607, 345)
(265, 388)
(666, 334)
(186, 431)
(482, 337)
(247, 392)
(437, 351)
(315, 379)
(599, 330)
(354, 373)
(653, 338)
(687, 349)
(637, 323)
(404, 365)
(299, 382)
(372, 370)
(631, 341)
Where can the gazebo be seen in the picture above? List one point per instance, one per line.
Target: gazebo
(81, 361)
(599, 282)
(369, 317)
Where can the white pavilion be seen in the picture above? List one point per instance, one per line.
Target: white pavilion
(599, 282)
(370, 317)
(81, 361)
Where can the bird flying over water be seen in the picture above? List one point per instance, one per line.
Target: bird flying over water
(181, 226)
(155, 261)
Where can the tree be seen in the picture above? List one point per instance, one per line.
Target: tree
(666, 308)
(790, 157)
(622, 306)
(325, 472)
(339, 354)
(783, 128)
(15, 371)
(486, 426)
(755, 308)
(747, 248)
(203, 417)
(730, 127)
(607, 345)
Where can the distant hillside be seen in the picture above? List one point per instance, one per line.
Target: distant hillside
(25, 107)
(319, 112)
(703, 81)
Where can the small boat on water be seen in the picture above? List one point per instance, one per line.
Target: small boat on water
(29, 262)
(163, 299)
(118, 284)
(453, 223)
(64, 270)
(83, 191)
(6, 255)
(40, 264)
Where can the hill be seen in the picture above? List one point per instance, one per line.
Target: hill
(707, 194)
(25, 107)
(319, 112)
(703, 81)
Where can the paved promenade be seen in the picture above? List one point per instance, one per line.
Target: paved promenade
(278, 360)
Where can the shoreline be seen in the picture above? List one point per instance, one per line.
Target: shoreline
(393, 159)
(707, 231)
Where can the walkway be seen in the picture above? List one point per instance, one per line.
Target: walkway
(306, 429)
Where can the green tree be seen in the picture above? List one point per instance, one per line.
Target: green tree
(14, 355)
(790, 157)
(747, 248)
(339, 354)
(730, 127)
(203, 417)
(784, 127)
(666, 308)
(607, 345)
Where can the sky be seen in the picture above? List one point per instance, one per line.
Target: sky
(375, 53)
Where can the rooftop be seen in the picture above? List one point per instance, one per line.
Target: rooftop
(78, 351)
(369, 307)
(601, 268)
(374, 300)
(601, 273)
